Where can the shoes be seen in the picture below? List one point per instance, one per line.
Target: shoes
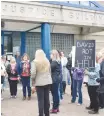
(24, 98)
(54, 111)
(11, 96)
(89, 108)
(79, 104)
(29, 98)
(101, 107)
(15, 97)
(58, 110)
(93, 112)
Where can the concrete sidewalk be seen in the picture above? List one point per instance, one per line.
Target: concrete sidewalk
(17, 107)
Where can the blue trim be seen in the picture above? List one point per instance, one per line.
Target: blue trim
(45, 39)
(98, 8)
(2, 44)
(23, 42)
(33, 28)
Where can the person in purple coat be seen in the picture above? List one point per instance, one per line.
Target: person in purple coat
(78, 75)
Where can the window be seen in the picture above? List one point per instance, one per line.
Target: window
(64, 1)
(85, 3)
(74, 2)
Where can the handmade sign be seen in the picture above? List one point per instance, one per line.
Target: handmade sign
(85, 53)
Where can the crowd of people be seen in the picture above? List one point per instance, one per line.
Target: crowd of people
(52, 75)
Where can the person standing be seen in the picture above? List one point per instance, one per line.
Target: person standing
(3, 73)
(101, 88)
(60, 84)
(24, 69)
(41, 79)
(64, 71)
(18, 57)
(78, 75)
(13, 75)
(56, 79)
(93, 75)
(69, 67)
(4, 57)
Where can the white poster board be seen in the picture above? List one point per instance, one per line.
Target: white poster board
(73, 55)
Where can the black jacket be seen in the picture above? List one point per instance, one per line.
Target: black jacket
(69, 64)
(10, 74)
(56, 71)
(101, 79)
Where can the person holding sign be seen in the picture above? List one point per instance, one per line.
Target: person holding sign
(93, 75)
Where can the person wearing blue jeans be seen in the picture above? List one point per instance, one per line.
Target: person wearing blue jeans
(26, 85)
(24, 70)
(61, 90)
(77, 86)
(78, 75)
(55, 87)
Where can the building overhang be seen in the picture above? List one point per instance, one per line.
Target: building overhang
(55, 14)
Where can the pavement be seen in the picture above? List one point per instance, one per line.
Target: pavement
(18, 107)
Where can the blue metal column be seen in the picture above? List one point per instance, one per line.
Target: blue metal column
(23, 42)
(45, 39)
(2, 44)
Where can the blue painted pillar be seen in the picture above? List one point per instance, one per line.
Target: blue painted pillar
(23, 42)
(45, 39)
(2, 43)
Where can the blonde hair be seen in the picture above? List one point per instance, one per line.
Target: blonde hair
(41, 62)
(12, 60)
(56, 55)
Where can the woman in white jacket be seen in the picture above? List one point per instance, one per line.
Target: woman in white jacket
(64, 71)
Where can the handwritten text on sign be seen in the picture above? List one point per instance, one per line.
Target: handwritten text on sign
(85, 53)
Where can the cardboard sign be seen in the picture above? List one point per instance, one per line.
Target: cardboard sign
(85, 53)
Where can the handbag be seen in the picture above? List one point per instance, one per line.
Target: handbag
(101, 89)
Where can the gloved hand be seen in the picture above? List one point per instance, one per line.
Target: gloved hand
(98, 80)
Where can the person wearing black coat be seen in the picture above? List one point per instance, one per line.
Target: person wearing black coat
(13, 77)
(69, 67)
(101, 88)
(56, 78)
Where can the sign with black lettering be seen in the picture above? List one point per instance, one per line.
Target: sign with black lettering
(85, 53)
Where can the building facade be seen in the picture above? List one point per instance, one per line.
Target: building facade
(28, 26)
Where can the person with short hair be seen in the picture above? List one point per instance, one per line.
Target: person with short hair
(24, 69)
(93, 85)
(13, 75)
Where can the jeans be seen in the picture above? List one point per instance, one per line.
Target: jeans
(94, 100)
(77, 85)
(64, 86)
(55, 93)
(13, 87)
(43, 100)
(61, 90)
(26, 84)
